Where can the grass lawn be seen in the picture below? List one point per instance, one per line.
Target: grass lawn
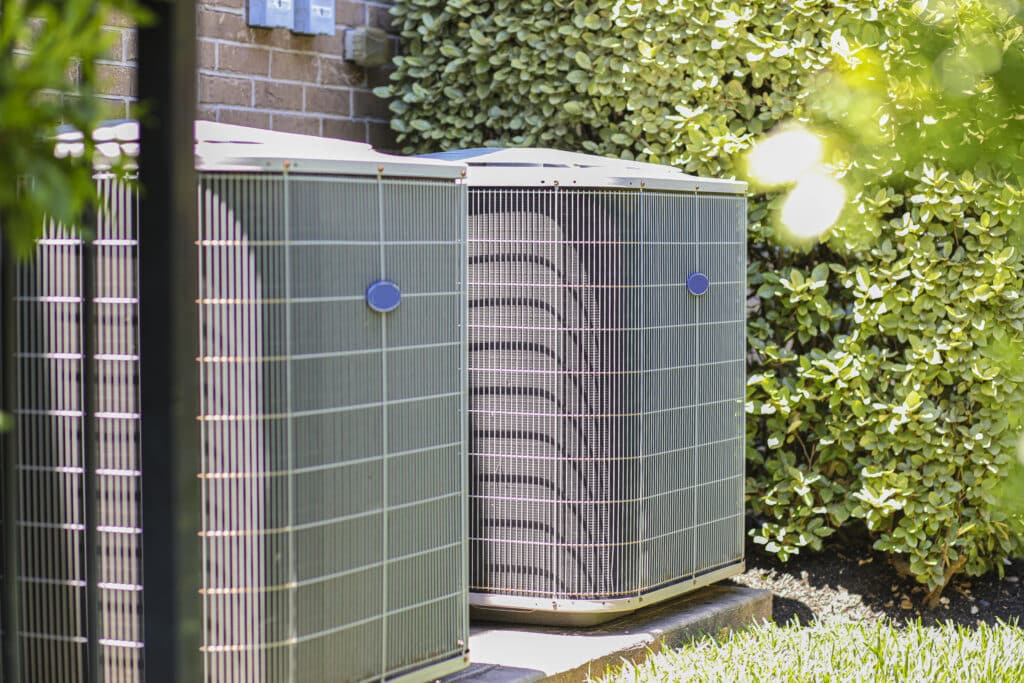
(843, 651)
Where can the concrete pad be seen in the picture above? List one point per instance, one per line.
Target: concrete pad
(511, 653)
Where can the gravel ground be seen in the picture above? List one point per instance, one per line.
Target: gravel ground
(849, 580)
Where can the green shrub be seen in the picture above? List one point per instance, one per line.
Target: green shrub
(887, 352)
(842, 652)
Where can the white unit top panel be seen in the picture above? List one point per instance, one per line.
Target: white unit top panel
(537, 167)
(224, 147)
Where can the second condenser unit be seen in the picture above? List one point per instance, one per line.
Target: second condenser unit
(331, 351)
(606, 374)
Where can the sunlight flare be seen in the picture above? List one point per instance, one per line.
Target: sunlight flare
(784, 157)
(813, 205)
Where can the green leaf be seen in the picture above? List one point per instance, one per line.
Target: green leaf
(576, 76)
(573, 107)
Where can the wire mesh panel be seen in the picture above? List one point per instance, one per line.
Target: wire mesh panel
(549, 417)
(606, 452)
(51, 456)
(332, 460)
(692, 362)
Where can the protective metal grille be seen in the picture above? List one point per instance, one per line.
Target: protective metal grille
(606, 401)
(51, 458)
(332, 458)
(332, 470)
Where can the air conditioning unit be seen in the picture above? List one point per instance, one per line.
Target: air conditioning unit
(606, 374)
(331, 315)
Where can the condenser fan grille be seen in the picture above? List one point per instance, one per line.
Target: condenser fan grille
(606, 429)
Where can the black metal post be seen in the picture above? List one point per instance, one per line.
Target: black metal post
(168, 346)
(10, 603)
(88, 231)
(90, 450)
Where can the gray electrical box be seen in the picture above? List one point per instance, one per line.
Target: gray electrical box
(366, 46)
(314, 16)
(271, 13)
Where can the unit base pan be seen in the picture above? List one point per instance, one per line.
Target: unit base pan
(584, 613)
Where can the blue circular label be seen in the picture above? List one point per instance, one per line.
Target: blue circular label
(383, 296)
(697, 283)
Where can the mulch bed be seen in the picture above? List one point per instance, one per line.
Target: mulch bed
(849, 580)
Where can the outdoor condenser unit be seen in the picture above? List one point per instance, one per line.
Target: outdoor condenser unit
(331, 350)
(606, 373)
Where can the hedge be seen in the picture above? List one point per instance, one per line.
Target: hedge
(884, 355)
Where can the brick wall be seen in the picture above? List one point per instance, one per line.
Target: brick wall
(272, 78)
(117, 72)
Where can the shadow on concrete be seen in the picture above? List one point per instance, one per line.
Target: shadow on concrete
(493, 673)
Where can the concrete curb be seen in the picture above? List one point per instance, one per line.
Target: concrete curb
(510, 653)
